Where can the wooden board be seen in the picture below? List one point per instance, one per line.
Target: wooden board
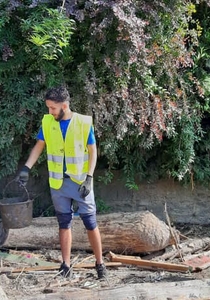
(149, 264)
(55, 267)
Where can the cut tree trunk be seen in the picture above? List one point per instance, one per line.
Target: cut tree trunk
(126, 233)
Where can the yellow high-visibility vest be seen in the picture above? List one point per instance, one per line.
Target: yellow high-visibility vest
(73, 148)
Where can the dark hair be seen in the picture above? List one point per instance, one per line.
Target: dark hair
(57, 94)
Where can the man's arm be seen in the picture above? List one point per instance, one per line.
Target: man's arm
(35, 153)
(23, 176)
(85, 187)
(92, 151)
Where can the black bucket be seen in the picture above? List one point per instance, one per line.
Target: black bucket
(16, 212)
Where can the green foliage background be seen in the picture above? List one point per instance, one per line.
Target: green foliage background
(141, 69)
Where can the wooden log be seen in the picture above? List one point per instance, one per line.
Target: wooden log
(128, 233)
(184, 290)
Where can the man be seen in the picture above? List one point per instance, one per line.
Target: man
(71, 157)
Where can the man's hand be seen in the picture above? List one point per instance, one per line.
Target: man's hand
(23, 176)
(85, 187)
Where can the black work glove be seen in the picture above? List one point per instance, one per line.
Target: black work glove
(85, 187)
(23, 176)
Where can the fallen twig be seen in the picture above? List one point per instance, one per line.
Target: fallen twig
(87, 258)
(19, 274)
(172, 233)
(47, 287)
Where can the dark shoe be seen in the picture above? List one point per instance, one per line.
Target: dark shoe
(101, 270)
(64, 270)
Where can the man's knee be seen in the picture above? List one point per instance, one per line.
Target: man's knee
(64, 220)
(89, 221)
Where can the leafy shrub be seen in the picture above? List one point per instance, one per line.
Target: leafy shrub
(138, 67)
(27, 68)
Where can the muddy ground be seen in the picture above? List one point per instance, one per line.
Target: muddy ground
(21, 285)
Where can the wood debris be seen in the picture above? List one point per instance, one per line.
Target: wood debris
(184, 259)
(149, 264)
(199, 261)
(190, 246)
(55, 267)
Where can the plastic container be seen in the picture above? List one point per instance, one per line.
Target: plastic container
(16, 212)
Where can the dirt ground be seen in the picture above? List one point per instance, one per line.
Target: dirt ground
(21, 285)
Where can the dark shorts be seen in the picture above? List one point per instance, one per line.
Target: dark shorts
(63, 199)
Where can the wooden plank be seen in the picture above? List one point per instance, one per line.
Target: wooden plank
(149, 264)
(55, 267)
(184, 290)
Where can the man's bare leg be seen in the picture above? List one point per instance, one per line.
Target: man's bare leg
(95, 242)
(65, 238)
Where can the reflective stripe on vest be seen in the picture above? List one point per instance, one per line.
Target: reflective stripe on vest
(55, 175)
(74, 148)
(69, 160)
(76, 160)
(55, 158)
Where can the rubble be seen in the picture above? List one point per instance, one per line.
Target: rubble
(27, 274)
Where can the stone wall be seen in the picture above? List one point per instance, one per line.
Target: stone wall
(183, 204)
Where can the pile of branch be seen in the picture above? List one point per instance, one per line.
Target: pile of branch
(188, 247)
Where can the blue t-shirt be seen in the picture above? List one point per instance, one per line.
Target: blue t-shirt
(64, 125)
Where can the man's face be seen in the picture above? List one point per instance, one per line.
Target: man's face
(55, 109)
